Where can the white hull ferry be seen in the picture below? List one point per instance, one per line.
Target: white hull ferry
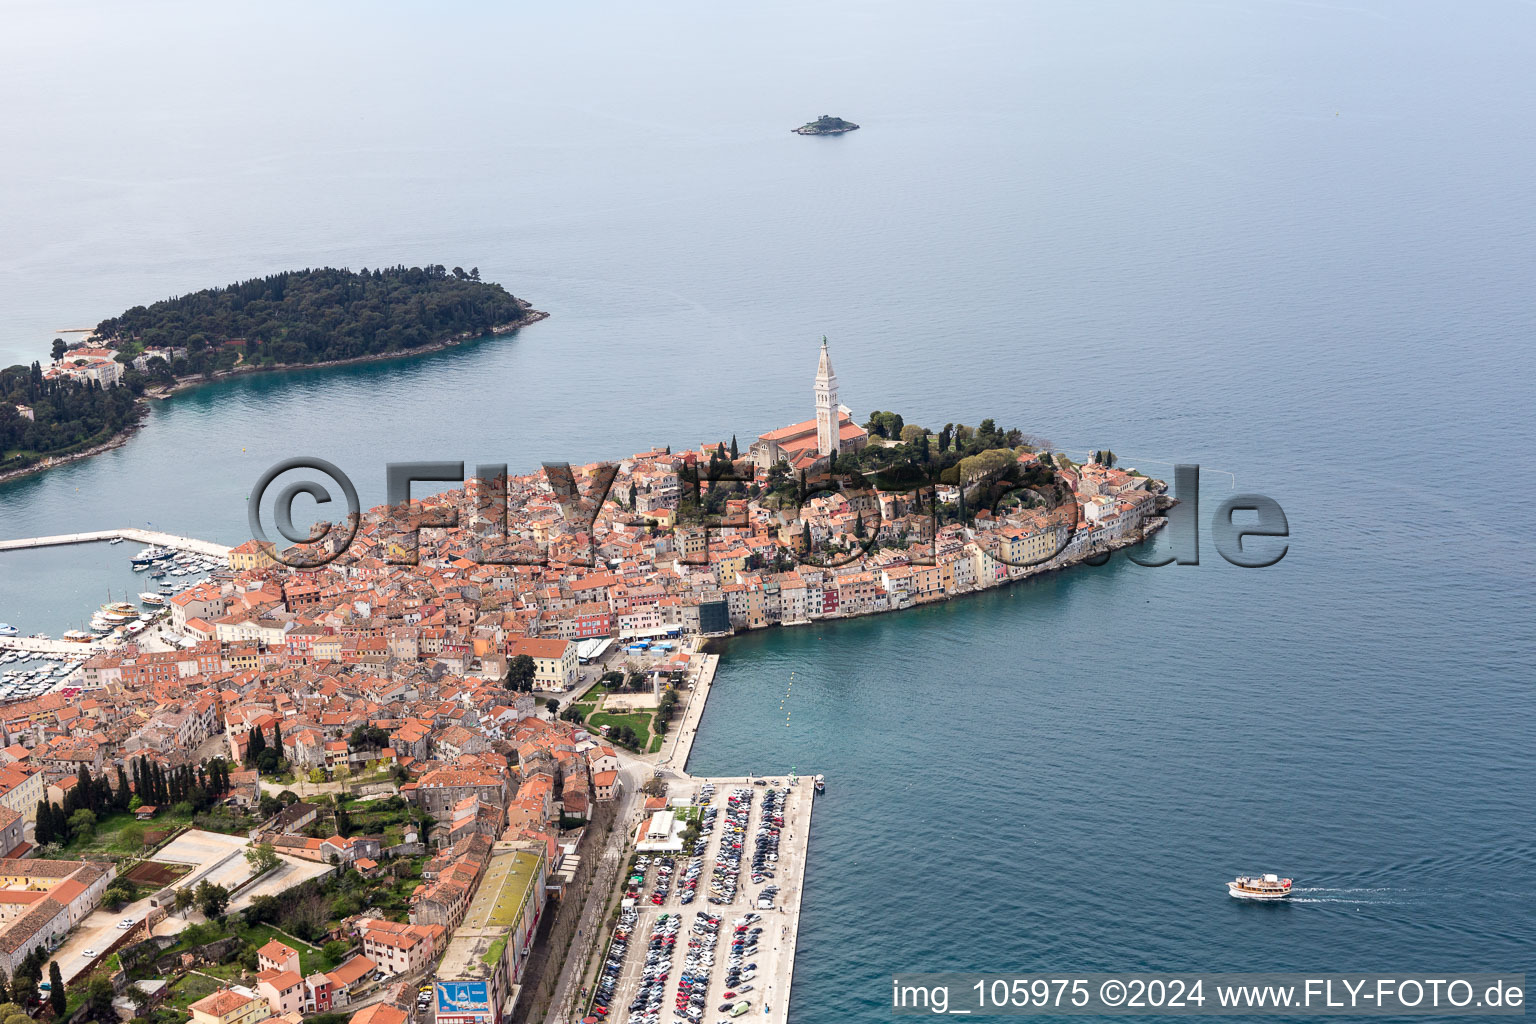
(1261, 887)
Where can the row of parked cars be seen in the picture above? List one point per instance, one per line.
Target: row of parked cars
(688, 888)
(740, 969)
(693, 982)
(727, 876)
(645, 1008)
(707, 818)
(663, 887)
(608, 980)
(765, 846)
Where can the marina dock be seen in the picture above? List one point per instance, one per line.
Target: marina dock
(50, 647)
(164, 540)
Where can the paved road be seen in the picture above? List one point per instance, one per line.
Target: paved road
(615, 854)
(95, 932)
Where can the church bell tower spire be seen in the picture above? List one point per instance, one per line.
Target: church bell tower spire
(827, 415)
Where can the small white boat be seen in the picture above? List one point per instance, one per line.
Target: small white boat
(1259, 887)
(821, 783)
(6, 629)
(115, 540)
(151, 598)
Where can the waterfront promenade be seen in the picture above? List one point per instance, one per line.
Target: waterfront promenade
(679, 743)
(164, 540)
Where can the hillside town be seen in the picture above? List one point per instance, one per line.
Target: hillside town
(316, 791)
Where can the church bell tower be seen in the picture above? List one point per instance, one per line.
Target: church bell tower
(827, 416)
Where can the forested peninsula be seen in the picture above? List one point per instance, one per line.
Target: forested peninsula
(89, 396)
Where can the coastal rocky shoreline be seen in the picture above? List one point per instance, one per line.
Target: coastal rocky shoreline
(184, 384)
(190, 383)
(826, 124)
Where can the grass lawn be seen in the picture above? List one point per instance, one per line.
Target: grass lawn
(310, 958)
(655, 746)
(370, 817)
(640, 722)
(189, 990)
(120, 836)
(391, 899)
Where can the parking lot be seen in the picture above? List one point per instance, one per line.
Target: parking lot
(729, 937)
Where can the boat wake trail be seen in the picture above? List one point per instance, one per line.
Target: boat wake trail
(1379, 896)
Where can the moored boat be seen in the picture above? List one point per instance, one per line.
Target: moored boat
(821, 783)
(150, 598)
(1260, 887)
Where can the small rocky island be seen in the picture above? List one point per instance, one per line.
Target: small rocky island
(826, 124)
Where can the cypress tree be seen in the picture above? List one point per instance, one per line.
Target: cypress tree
(258, 743)
(43, 830)
(87, 789)
(277, 738)
(55, 989)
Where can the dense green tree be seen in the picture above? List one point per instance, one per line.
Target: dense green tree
(254, 746)
(98, 997)
(307, 316)
(368, 737)
(55, 989)
(297, 317)
(211, 899)
(82, 824)
(520, 672)
(262, 858)
(23, 986)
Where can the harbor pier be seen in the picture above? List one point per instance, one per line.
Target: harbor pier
(154, 537)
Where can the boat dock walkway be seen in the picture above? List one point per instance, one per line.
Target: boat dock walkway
(65, 647)
(679, 742)
(164, 540)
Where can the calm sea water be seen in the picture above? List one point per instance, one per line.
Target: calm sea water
(1288, 241)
